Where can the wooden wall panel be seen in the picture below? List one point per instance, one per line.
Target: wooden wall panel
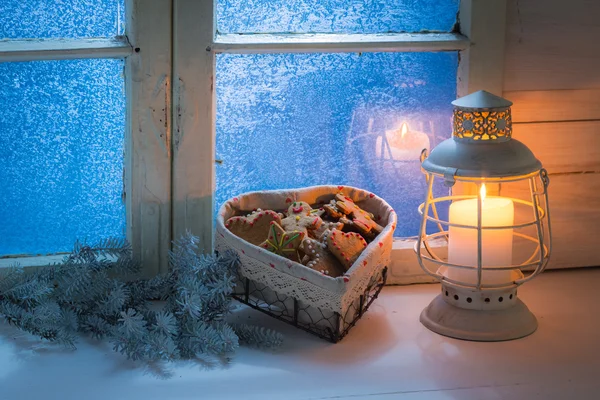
(563, 147)
(552, 44)
(555, 105)
(575, 216)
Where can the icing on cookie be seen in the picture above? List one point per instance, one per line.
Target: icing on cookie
(318, 257)
(254, 227)
(362, 220)
(300, 217)
(283, 243)
(346, 247)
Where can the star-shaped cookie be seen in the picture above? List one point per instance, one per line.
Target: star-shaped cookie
(283, 243)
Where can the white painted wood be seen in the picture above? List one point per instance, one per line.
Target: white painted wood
(563, 146)
(331, 42)
(555, 105)
(405, 268)
(63, 49)
(31, 261)
(148, 143)
(194, 119)
(388, 355)
(552, 45)
(481, 65)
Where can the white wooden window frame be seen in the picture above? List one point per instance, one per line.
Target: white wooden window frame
(147, 51)
(481, 46)
(170, 48)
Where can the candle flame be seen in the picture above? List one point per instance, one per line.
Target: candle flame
(403, 130)
(482, 192)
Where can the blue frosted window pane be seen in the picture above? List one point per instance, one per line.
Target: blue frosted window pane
(62, 126)
(293, 120)
(61, 19)
(341, 16)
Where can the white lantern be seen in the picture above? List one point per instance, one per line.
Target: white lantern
(494, 243)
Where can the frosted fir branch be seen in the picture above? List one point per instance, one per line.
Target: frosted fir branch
(257, 336)
(82, 294)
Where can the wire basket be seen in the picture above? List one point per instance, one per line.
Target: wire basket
(328, 325)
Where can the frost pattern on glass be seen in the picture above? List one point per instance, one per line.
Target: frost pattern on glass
(61, 19)
(294, 120)
(341, 16)
(62, 129)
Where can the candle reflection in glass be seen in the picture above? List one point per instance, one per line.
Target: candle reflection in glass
(401, 144)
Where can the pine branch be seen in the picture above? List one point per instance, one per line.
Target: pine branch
(82, 294)
(257, 336)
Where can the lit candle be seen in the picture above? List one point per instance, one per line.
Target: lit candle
(496, 244)
(404, 144)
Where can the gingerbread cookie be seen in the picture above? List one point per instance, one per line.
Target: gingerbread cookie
(350, 226)
(325, 226)
(320, 259)
(301, 217)
(254, 227)
(332, 210)
(283, 243)
(362, 220)
(346, 247)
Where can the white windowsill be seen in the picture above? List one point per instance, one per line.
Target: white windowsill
(387, 355)
(31, 261)
(405, 268)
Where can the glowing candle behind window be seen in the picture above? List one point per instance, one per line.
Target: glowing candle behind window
(403, 144)
(496, 243)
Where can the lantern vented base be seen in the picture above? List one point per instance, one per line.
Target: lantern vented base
(479, 325)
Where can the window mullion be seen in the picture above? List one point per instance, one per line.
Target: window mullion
(148, 148)
(194, 119)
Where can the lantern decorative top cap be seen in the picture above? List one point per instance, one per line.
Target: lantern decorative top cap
(482, 116)
(481, 144)
(482, 99)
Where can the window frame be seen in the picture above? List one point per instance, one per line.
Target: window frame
(169, 49)
(480, 43)
(146, 49)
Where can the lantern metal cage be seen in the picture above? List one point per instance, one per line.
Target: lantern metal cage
(478, 300)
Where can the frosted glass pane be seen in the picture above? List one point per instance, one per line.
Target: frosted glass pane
(341, 16)
(292, 120)
(61, 154)
(61, 19)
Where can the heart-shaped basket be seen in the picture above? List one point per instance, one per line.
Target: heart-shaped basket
(324, 305)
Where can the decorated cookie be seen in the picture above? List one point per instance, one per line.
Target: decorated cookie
(332, 210)
(283, 243)
(301, 217)
(325, 226)
(320, 259)
(363, 221)
(346, 246)
(253, 228)
(349, 225)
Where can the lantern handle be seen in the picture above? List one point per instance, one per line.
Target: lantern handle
(423, 155)
(545, 179)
